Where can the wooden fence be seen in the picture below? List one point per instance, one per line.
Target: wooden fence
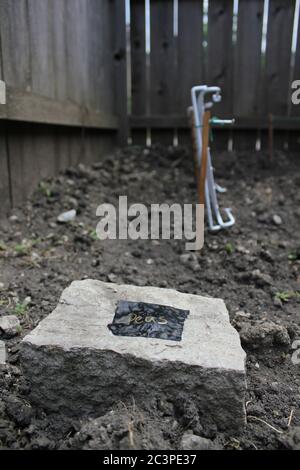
(245, 47)
(59, 60)
(66, 64)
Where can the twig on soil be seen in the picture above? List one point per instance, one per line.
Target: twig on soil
(252, 443)
(290, 417)
(265, 422)
(130, 432)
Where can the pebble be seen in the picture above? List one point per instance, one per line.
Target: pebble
(2, 353)
(277, 302)
(68, 216)
(111, 277)
(185, 258)
(193, 442)
(261, 279)
(277, 220)
(10, 325)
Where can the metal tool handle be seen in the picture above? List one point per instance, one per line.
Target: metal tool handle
(222, 122)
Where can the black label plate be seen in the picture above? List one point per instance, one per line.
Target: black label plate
(148, 320)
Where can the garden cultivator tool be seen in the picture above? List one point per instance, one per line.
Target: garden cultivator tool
(200, 121)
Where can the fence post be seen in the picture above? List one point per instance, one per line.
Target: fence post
(119, 26)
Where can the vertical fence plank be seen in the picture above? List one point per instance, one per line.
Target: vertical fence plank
(58, 12)
(139, 92)
(41, 47)
(219, 52)
(278, 56)
(31, 146)
(190, 50)
(248, 58)
(74, 44)
(190, 56)
(278, 61)
(163, 80)
(101, 90)
(15, 44)
(247, 71)
(294, 136)
(4, 173)
(119, 27)
(220, 62)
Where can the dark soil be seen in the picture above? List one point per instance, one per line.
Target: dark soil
(254, 267)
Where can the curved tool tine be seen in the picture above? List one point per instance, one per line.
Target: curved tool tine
(220, 189)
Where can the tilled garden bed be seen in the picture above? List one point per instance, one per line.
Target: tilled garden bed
(254, 267)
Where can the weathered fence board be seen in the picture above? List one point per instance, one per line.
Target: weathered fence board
(294, 136)
(248, 58)
(41, 47)
(278, 61)
(59, 51)
(15, 49)
(220, 53)
(278, 56)
(163, 71)
(118, 25)
(139, 89)
(247, 72)
(190, 65)
(5, 197)
(190, 50)
(219, 72)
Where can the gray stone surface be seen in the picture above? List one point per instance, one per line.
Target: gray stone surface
(9, 325)
(77, 366)
(2, 352)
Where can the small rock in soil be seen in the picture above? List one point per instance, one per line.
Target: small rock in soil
(261, 279)
(193, 442)
(277, 302)
(291, 439)
(42, 443)
(9, 325)
(68, 216)
(18, 411)
(276, 219)
(263, 335)
(2, 352)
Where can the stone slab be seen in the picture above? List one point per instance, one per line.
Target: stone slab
(75, 365)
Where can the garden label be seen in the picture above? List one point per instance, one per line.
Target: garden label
(148, 320)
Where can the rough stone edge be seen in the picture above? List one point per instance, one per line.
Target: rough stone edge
(232, 422)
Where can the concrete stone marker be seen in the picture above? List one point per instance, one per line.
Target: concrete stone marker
(76, 365)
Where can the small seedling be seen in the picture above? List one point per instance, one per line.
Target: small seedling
(45, 189)
(21, 308)
(93, 234)
(21, 249)
(285, 296)
(229, 248)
